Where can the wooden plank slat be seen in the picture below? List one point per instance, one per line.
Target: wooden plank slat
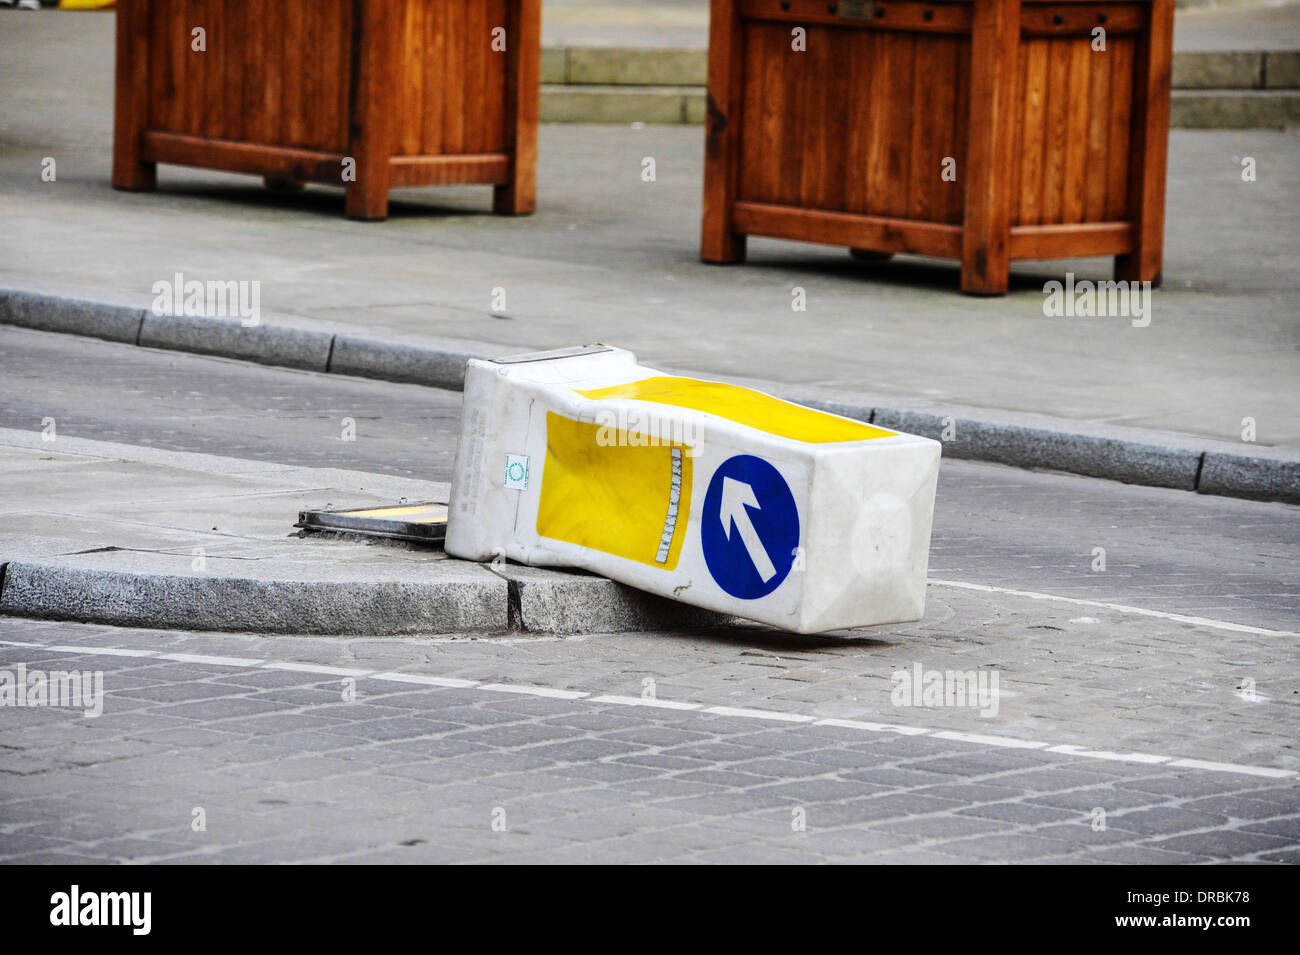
(815, 72)
(878, 189)
(461, 169)
(1098, 134)
(1033, 131)
(862, 67)
(1120, 132)
(883, 233)
(1075, 146)
(899, 107)
(233, 155)
(1056, 130)
(923, 165)
(1080, 239)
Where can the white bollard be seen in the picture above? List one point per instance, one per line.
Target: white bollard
(700, 491)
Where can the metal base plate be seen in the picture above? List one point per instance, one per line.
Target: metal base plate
(425, 522)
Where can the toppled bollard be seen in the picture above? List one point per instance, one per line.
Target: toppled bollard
(700, 491)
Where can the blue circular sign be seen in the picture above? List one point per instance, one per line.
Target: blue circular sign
(749, 528)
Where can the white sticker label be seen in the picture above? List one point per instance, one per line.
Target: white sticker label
(517, 472)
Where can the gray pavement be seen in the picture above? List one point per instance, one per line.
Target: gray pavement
(244, 749)
(612, 257)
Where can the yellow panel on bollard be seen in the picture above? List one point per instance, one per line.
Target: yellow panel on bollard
(700, 491)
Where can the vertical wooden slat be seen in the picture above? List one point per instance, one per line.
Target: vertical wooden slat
(523, 70)
(223, 47)
(1033, 131)
(751, 143)
(817, 69)
(434, 89)
(131, 96)
(496, 78)
(861, 67)
(177, 98)
(291, 92)
(899, 105)
(202, 71)
(478, 42)
(330, 110)
(453, 79)
(1120, 134)
(923, 171)
(411, 95)
(941, 144)
(961, 133)
(800, 90)
(1098, 134)
(772, 107)
(1075, 145)
(377, 23)
(877, 185)
(986, 233)
(718, 243)
(1057, 133)
(273, 26)
(344, 15)
(1150, 147)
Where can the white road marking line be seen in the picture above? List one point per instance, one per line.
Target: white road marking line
(1007, 741)
(876, 727)
(642, 701)
(1118, 608)
(1072, 750)
(451, 683)
(534, 691)
(759, 714)
(315, 668)
(1233, 768)
(215, 661)
(1066, 749)
(104, 651)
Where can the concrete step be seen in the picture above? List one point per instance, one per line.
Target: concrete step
(627, 66)
(1235, 109)
(673, 105)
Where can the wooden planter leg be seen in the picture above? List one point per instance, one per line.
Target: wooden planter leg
(1150, 149)
(373, 82)
(718, 242)
(986, 233)
(518, 195)
(131, 99)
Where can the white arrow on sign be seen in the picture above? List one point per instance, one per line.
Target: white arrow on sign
(736, 496)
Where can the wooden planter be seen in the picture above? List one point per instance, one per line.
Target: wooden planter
(1058, 150)
(402, 92)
